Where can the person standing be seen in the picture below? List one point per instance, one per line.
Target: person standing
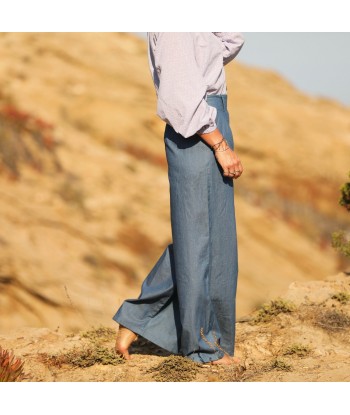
(187, 303)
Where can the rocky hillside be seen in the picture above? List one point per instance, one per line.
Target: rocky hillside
(301, 337)
(84, 197)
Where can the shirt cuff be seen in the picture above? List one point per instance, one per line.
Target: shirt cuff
(207, 128)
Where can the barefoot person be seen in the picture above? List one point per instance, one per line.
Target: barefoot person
(187, 303)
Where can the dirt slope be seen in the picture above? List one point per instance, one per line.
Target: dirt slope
(83, 220)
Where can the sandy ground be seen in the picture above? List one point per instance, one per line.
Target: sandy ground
(305, 338)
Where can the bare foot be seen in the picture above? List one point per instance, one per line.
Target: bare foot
(123, 341)
(226, 360)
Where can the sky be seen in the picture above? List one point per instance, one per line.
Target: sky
(317, 63)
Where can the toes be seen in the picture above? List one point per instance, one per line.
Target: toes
(226, 360)
(124, 353)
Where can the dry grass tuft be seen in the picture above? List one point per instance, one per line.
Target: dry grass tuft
(99, 334)
(175, 369)
(333, 320)
(343, 297)
(279, 364)
(83, 357)
(297, 349)
(94, 353)
(272, 309)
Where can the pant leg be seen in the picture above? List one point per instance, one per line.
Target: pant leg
(224, 258)
(191, 164)
(154, 314)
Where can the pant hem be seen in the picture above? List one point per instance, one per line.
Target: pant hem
(143, 333)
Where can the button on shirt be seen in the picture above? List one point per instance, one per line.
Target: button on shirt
(185, 68)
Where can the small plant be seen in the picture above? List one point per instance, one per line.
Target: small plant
(340, 240)
(11, 368)
(84, 357)
(175, 369)
(343, 297)
(99, 335)
(345, 195)
(296, 349)
(275, 307)
(279, 364)
(333, 320)
(93, 353)
(341, 243)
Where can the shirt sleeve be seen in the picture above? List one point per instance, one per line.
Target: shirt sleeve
(182, 89)
(232, 43)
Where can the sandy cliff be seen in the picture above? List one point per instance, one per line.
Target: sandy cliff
(83, 219)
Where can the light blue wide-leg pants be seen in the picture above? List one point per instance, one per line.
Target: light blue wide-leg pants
(187, 303)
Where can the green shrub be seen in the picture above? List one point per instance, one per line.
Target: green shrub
(341, 243)
(345, 195)
(272, 309)
(340, 240)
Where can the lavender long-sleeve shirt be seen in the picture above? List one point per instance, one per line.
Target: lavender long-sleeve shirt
(186, 67)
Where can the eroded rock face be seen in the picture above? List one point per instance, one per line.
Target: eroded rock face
(76, 241)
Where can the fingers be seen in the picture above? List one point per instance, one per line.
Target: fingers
(230, 163)
(234, 169)
(239, 169)
(232, 174)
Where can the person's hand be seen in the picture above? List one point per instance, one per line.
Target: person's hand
(230, 163)
(228, 159)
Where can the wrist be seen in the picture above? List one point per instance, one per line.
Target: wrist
(212, 138)
(221, 146)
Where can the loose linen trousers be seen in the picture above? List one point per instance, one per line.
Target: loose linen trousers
(187, 303)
